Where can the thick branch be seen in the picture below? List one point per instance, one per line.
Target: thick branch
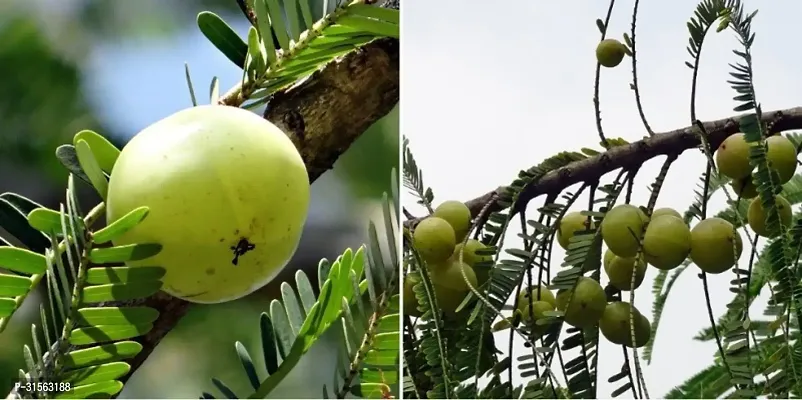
(323, 116)
(632, 156)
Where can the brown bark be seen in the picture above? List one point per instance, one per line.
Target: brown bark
(631, 156)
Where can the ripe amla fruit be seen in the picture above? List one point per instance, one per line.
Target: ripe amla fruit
(619, 270)
(622, 228)
(732, 157)
(536, 309)
(665, 211)
(228, 195)
(533, 294)
(570, 224)
(587, 303)
(715, 246)
(757, 215)
(610, 52)
(614, 325)
(667, 242)
(474, 260)
(744, 187)
(457, 215)
(781, 156)
(434, 239)
(451, 276)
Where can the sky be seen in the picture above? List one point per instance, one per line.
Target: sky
(483, 98)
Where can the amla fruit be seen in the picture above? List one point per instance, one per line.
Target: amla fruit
(476, 261)
(457, 215)
(536, 309)
(615, 326)
(732, 157)
(610, 52)
(533, 294)
(619, 270)
(665, 211)
(570, 224)
(667, 242)
(434, 239)
(228, 195)
(781, 156)
(714, 245)
(622, 228)
(587, 304)
(744, 187)
(452, 278)
(757, 215)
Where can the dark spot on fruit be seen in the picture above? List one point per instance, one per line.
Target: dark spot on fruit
(236, 231)
(210, 271)
(222, 240)
(231, 148)
(242, 247)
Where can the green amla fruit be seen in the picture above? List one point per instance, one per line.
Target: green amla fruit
(538, 310)
(745, 187)
(533, 294)
(228, 195)
(614, 325)
(610, 52)
(457, 215)
(481, 263)
(587, 304)
(448, 299)
(619, 270)
(757, 215)
(451, 276)
(434, 239)
(781, 156)
(622, 228)
(410, 301)
(665, 211)
(715, 246)
(570, 224)
(667, 242)
(732, 157)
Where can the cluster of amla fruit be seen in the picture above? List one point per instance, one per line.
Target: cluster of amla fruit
(732, 160)
(438, 239)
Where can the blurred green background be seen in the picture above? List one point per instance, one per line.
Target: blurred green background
(116, 67)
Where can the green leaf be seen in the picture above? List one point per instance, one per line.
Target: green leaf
(258, 62)
(268, 344)
(388, 15)
(103, 275)
(223, 37)
(120, 292)
(277, 21)
(264, 28)
(99, 390)
(45, 220)
(247, 364)
(120, 226)
(15, 221)
(91, 167)
(214, 91)
(107, 333)
(22, 260)
(96, 373)
(14, 285)
(7, 307)
(382, 357)
(370, 390)
(305, 291)
(137, 315)
(102, 354)
(121, 254)
(67, 156)
(104, 151)
(190, 86)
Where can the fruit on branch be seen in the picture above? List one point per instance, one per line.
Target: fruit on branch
(536, 309)
(667, 242)
(614, 325)
(570, 224)
(715, 245)
(228, 195)
(665, 211)
(587, 304)
(619, 270)
(744, 187)
(622, 228)
(781, 156)
(476, 261)
(434, 240)
(448, 299)
(757, 215)
(610, 52)
(732, 157)
(457, 215)
(410, 301)
(533, 294)
(451, 276)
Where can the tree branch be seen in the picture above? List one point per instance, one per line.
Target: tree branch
(629, 156)
(323, 116)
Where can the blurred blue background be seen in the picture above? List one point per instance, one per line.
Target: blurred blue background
(116, 67)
